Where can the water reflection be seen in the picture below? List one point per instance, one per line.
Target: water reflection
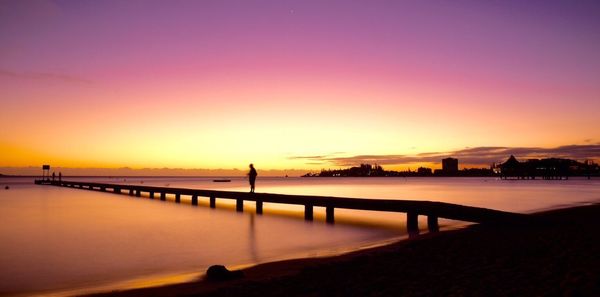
(252, 239)
(57, 238)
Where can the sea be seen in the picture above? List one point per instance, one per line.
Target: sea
(61, 241)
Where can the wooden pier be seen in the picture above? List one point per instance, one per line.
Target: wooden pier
(413, 208)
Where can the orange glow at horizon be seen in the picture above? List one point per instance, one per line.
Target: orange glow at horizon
(179, 128)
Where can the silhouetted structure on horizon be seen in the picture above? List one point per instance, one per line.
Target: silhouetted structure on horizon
(424, 171)
(450, 166)
(45, 172)
(368, 170)
(549, 168)
(363, 170)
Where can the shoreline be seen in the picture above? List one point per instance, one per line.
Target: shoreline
(557, 230)
(159, 280)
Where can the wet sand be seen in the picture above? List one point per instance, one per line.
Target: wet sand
(554, 254)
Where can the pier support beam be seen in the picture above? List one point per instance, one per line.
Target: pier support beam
(432, 223)
(239, 205)
(177, 198)
(137, 193)
(412, 223)
(103, 189)
(194, 199)
(130, 192)
(213, 202)
(308, 212)
(259, 207)
(163, 196)
(329, 214)
(117, 190)
(151, 194)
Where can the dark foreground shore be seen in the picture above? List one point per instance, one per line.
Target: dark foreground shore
(557, 254)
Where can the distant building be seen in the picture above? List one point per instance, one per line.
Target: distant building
(424, 171)
(450, 165)
(549, 168)
(512, 167)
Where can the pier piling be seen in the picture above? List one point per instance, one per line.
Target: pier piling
(432, 223)
(329, 214)
(259, 207)
(308, 212)
(412, 222)
(239, 205)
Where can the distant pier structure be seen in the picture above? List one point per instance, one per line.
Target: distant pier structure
(548, 169)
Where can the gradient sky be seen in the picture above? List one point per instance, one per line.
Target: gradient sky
(220, 84)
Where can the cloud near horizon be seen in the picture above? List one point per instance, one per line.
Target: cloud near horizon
(44, 76)
(484, 155)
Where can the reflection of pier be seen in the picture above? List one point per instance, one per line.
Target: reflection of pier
(433, 210)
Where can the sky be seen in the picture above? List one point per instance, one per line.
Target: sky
(296, 84)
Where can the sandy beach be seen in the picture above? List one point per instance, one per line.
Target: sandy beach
(554, 254)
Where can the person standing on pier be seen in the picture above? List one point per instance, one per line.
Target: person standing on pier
(60, 177)
(252, 177)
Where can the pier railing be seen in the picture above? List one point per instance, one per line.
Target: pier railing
(413, 208)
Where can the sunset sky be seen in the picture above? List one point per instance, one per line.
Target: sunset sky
(296, 84)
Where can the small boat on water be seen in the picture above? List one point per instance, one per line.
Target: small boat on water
(221, 180)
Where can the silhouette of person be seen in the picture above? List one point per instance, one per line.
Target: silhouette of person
(60, 176)
(252, 177)
(53, 176)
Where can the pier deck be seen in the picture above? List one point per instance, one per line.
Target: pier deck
(413, 208)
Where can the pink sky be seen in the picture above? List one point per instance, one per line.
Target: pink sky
(220, 84)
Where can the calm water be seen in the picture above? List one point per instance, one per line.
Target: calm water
(61, 241)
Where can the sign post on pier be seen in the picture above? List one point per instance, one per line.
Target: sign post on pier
(45, 172)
